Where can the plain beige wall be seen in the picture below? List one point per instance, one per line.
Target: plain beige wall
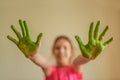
(53, 18)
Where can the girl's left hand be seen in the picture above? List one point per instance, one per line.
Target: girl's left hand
(94, 47)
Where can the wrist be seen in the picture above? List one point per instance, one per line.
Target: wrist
(31, 54)
(86, 59)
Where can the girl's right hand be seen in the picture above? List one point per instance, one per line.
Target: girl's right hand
(24, 42)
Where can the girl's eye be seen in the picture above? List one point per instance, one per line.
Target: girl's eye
(57, 47)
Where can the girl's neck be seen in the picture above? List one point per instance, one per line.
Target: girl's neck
(60, 65)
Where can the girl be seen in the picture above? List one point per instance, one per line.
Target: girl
(65, 69)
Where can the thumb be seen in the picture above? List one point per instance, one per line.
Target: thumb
(39, 38)
(82, 47)
(79, 41)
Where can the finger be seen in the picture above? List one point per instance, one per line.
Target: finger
(16, 32)
(82, 47)
(79, 40)
(103, 33)
(12, 39)
(27, 29)
(39, 38)
(108, 42)
(91, 33)
(96, 30)
(22, 28)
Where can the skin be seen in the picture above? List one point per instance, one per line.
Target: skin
(62, 50)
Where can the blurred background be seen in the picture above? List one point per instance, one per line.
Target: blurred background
(54, 18)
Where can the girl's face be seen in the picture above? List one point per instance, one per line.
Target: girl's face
(62, 51)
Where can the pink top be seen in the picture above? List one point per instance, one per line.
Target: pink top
(66, 73)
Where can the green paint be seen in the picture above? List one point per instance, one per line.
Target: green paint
(94, 47)
(24, 42)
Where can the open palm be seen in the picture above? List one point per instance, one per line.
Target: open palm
(94, 46)
(24, 42)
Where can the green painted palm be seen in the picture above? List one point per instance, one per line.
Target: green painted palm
(24, 42)
(94, 46)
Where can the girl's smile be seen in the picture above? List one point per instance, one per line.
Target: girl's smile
(62, 51)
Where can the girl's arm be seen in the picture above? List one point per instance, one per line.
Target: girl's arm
(41, 62)
(29, 47)
(78, 61)
(94, 47)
